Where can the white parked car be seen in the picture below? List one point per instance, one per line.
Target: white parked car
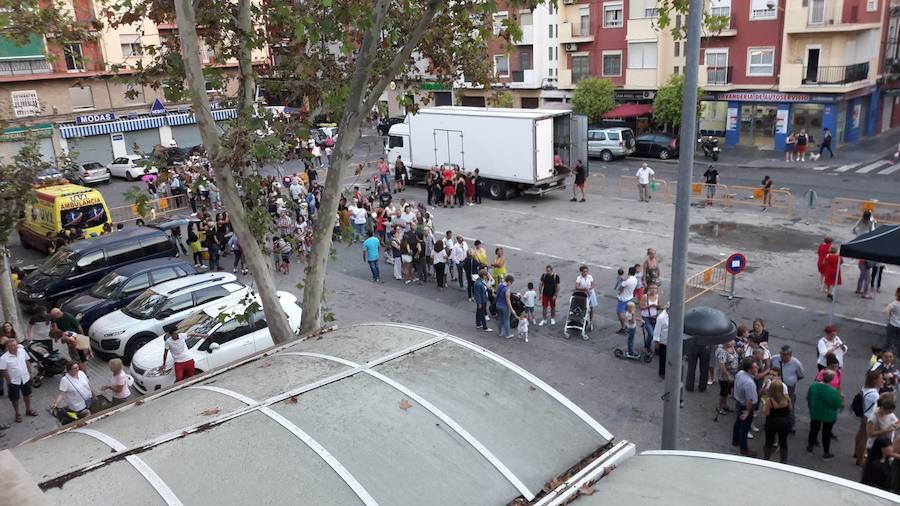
(123, 332)
(130, 167)
(216, 342)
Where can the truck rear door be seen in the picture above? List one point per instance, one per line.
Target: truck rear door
(448, 148)
(543, 146)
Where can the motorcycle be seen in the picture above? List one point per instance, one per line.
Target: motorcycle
(710, 147)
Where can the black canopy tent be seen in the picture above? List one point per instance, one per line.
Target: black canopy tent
(881, 245)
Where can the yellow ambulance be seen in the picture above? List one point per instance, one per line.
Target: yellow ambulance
(64, 206)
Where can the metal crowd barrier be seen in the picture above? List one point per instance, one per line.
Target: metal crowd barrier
(163, 207)
(707, 280)
(844, 209)
(628, 185)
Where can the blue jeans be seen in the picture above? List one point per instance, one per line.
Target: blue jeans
(503, 321)
(360, 229)
(741, 427)
(480, 312)
(213, 251)
(631, 340)
(648, 335)
(373, 266)
(386, 181)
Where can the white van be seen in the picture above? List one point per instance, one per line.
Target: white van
(121, 333)
(609, 143)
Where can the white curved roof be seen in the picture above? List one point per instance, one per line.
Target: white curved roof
(371, 414)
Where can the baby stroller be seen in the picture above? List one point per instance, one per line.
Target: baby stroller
(578, 319)
(517, 306)
(47, 362)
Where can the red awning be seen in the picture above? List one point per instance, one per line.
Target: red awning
(629, 111)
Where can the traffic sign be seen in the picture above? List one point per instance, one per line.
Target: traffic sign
(736, 263)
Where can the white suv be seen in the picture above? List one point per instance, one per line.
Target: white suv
(224, 333)
(123, 332)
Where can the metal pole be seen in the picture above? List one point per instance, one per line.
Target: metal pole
(672, 399)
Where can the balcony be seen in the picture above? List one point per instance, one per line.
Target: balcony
(574, 33)
(825, 16)
(718, 76)
(842, 78)
(524, 79)
(527, 36)
(728, 29)
(25, 67)
(835, 75)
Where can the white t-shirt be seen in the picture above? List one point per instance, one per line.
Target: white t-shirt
(823, 347)
(16, 365)
(359, 215)
(628, 287)
(529, 298)
(894, 312)
(178, 348)
(584, 282)
(881, 422)
(75, 390)
(120, 379)
(643, 174)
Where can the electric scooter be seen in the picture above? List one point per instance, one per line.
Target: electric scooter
(642, 356)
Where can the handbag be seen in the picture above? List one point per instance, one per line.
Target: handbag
(88, 399)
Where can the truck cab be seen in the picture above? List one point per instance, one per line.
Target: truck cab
(398, 145)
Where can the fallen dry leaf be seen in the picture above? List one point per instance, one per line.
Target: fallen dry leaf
(404, 404)
(532, 388)
(139, 402)
(586, 490)
(487, 394)
(555, 482)
(265, 365)
(210, 412)
(291, 400)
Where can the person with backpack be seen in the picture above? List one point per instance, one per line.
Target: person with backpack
(824, 403)
(863, 405)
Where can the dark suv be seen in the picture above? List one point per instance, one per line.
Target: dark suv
(662, 146)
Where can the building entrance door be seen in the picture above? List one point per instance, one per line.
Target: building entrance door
(758, 125)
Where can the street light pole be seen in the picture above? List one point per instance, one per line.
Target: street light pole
(672, 399)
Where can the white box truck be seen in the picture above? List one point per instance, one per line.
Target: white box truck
(514, 149)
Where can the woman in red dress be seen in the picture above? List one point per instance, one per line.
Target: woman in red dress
(822, 251)
(832, 272)
(470, 189)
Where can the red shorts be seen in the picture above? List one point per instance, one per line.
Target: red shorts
(184, 370)
(801, 149)
(548, 301)
(579, 185)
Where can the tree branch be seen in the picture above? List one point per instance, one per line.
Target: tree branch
(247, 90)
(411, 42)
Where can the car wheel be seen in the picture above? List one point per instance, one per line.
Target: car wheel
(664, 154)
(606, 156)
(128, 176)
(715, 156)
(134, 344)
(36, 382)
(497, 190)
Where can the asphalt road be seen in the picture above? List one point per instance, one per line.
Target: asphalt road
(610, 230)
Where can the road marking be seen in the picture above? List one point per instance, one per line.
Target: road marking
(601, 266)
(822, 167)
(872, 166)
(549, 255)
(611, 227)
(889, 170)
(506, 246)
(860, 320)
(785, 304)
(845, 168)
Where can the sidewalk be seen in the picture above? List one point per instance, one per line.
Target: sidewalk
(881, 146)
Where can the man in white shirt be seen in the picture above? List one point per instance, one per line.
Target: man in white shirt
(644, 175)
(457, 255)
(661, 339)
(14, 364)
(626, 293)
(175, 343)
(358, 215)
(297, 190)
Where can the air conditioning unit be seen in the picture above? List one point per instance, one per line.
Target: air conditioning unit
(649, 94)
(571, 46)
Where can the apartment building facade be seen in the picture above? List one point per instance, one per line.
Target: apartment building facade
(70, 98)
(777, 65)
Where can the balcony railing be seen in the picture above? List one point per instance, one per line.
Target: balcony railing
(25, 67)
(832, 75)
(718, 76)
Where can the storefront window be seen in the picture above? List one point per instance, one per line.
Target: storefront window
(713, 117)
(807, 116)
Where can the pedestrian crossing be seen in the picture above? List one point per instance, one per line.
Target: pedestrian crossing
(880, 168)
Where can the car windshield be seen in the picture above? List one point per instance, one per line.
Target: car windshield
(84, 216)
(145, 305)
(92, 166)
(198, 323)
(107, 286)
(59, 264)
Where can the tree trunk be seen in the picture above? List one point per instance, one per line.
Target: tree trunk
(356, 107)
(7, 294)
(257, 261)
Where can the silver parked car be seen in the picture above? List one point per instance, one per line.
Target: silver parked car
(609, 143)
(93, 172)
